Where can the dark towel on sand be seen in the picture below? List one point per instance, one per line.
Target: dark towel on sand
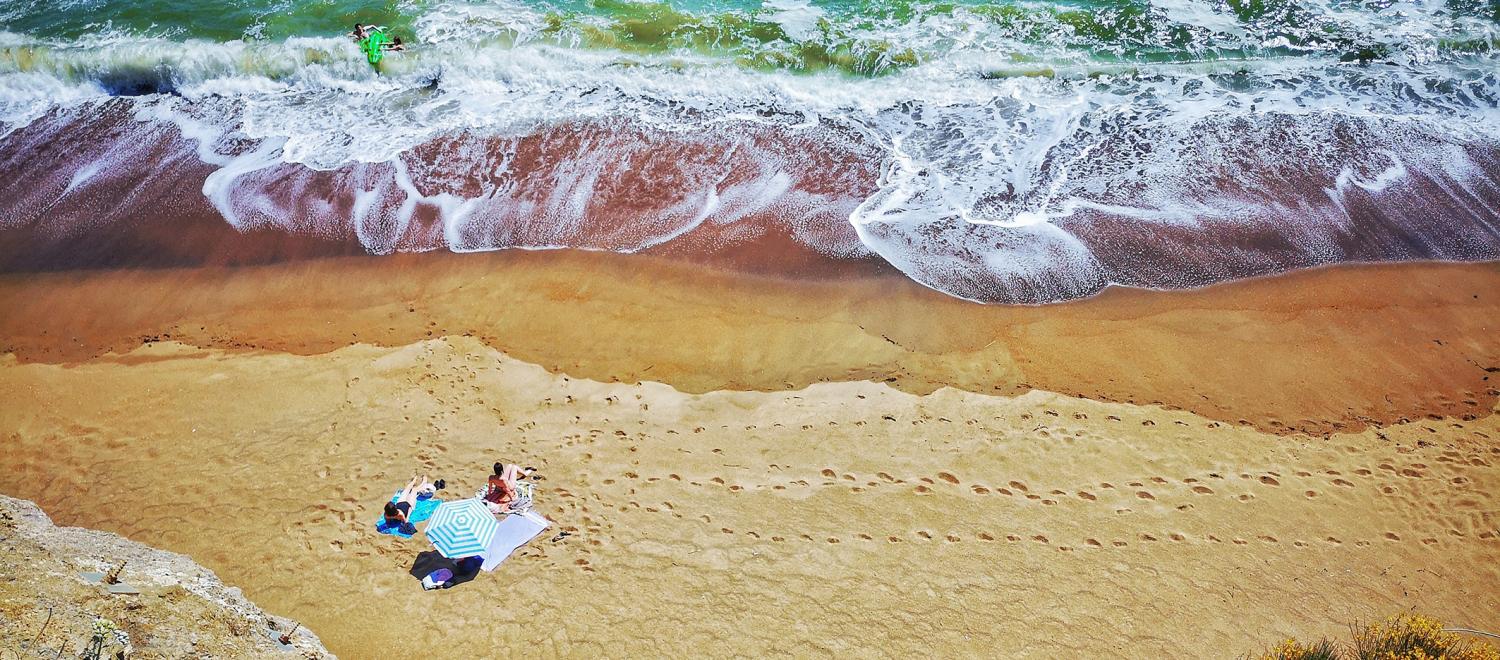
(463, 569)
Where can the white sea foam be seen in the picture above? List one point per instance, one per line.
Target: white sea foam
(988, 176)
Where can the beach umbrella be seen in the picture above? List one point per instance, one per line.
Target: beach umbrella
(461, 528)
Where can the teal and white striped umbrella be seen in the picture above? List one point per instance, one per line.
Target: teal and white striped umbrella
(461, 528)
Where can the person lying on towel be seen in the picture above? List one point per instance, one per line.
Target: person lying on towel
(397, 512)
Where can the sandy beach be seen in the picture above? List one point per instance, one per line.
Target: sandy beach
(757, 466)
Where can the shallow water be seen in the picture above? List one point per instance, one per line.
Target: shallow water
(1002, 152)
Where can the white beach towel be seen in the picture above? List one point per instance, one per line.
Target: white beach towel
(514, 531)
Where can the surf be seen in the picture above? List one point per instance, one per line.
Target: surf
(994, 152)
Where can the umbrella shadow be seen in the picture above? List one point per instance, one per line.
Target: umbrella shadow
(464, 569)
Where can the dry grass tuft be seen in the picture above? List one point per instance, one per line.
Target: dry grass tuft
(1292, 649)
(1405, 636)
(1416, 637)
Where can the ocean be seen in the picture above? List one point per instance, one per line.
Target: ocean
(1001, 152)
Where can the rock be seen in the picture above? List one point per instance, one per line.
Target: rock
(183, 608)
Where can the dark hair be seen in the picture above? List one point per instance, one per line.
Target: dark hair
(358, 25)
(391, 512)
(396, 40)
(499, 467)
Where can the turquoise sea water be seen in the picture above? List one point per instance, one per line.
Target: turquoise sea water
(993, 150)
(864, 37)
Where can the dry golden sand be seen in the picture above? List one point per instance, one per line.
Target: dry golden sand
(858, 518)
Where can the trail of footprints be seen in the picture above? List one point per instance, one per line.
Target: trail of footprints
(1153, 490)
(593, 527)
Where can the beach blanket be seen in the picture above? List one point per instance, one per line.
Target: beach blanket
(514, 531)
(420, 511)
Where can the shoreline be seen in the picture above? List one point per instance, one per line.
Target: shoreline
(1311, 351)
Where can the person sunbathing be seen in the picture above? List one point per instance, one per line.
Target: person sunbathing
(502, 492)
(396, 513)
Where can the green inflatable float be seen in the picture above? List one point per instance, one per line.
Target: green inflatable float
(372, 44)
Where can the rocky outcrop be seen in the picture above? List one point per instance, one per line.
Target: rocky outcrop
(48, 609)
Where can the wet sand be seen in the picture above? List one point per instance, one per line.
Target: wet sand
(761, 466)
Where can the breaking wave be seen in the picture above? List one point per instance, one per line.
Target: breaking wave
(994, 152)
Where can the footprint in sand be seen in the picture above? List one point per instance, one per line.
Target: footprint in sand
(1145, 495)
(1039, 538)
(1270, 481)
(1093, 543)
(985, 536)
(1203, 490)
(1018, 486)
(1085, 495)
(948, 477)
(980, 490)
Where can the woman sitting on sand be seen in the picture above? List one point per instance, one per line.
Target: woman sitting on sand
(397, 512)
(502, 492)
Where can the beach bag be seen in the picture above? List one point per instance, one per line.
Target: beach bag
(437, 579)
